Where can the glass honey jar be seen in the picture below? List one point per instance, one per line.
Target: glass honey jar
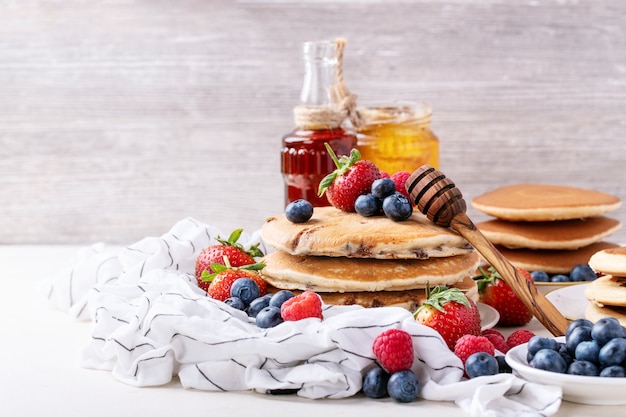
(398, 137)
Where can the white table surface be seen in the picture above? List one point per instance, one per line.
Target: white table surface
(40, 376)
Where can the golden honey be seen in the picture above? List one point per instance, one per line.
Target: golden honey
(398, 138)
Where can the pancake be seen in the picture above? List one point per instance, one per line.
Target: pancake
(552, 261)
(332, 274)
(564, 234)
(543, 202)
(610, 261)
(408, 299)
(607, 291)
(331, 232)
(594, 313)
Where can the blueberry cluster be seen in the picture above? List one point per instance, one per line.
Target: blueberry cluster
(401, 386)
(591, 349)
(384, 199)
(245, 296)
(580, 272)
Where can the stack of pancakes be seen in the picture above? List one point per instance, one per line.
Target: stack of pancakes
(547, 228)
(370, 261)
(607, 294)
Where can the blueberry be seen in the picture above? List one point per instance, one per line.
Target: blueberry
(536, 343)
(235, 302)
(258, 305)
(367, 205)
(585, 368)
(613, 372)
(549, 360)
(299, 211)
(403, 386)
(245, 289)
(605, 329)
(503, 367)
(269, 317)
(576, 336)
(383, 187)
(613, 352)
(540, 276)
(375, 383)
(280, 297)
(567, 357)
(397, 207)
(582, 272)
(587, 350)
(577, 323)
(560, 278)
(481, 364)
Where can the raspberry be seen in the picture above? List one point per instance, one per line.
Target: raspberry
(394, 350)
(492, 331)
(499, 342)
(308, 304)
(519, 337)
(399, 178)
(468, 344)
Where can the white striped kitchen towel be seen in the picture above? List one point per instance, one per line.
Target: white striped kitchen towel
(152, 322)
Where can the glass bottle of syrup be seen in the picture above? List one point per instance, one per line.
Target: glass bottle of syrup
(319, 118)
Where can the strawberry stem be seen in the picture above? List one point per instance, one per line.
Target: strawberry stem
(332, 155)
(486, 278)
(440, 296)
(219, 268)
(253, 250)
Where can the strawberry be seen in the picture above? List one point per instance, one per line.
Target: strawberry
(494, 291)
(450, 312)
(352, 178)
(235, 252)
(224, 276)
(302, 306)
(399, 178)
(393, 349)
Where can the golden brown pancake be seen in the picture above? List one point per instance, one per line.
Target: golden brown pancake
(544, 202)
(607, 291)
(610, 261)
(408, 299)
(563, 234)
(594, 313)
(332, 232)
(552, 261)
(333, 274)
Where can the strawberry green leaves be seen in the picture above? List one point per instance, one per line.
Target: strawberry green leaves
(342, 163)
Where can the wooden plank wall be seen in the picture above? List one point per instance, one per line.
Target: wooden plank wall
(120, 117)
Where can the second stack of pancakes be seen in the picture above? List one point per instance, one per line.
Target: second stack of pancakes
(370, 261)
(550, 228)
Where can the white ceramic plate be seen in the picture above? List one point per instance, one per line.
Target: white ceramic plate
(548, 287)
(489, 316)
(593, 390)
(570, 301)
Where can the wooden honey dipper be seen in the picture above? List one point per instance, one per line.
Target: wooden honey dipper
(442, 202)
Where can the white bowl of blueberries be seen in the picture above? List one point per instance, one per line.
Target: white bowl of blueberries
(588, 363)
